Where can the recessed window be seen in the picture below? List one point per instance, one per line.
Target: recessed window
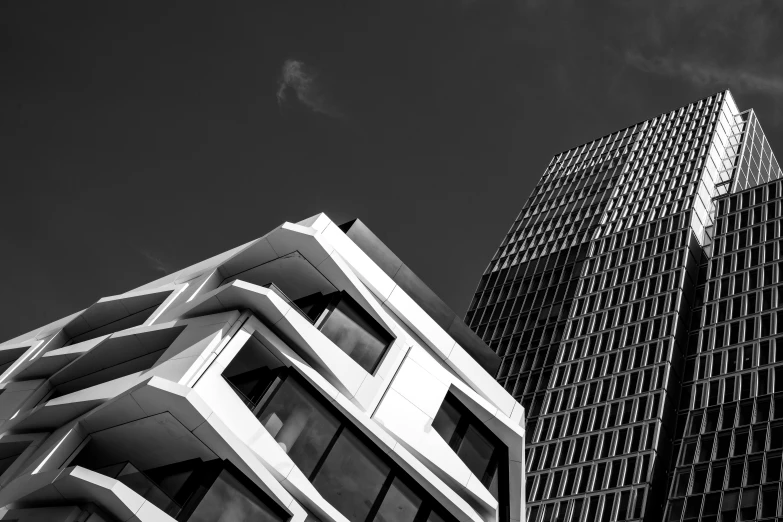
(193, 490)
(478, 448)
(349, 326)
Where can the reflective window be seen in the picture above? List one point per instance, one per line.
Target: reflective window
(356, 333)
(478, 448)
(299, 424)
(351, 477)
(346, 469)
(400, 504)
(228, 500)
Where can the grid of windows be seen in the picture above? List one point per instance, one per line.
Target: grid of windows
(730, 426)
(588, 301)
(758, 165)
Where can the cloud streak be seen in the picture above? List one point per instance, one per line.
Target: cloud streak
(155, 262)
(706, 74)
(305, 82)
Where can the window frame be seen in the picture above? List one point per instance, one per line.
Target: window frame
(325, 306)
(499, 454)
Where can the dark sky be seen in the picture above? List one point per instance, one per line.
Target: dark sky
(140, 137)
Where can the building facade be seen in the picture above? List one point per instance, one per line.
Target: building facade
(594, 301)
(298, 377)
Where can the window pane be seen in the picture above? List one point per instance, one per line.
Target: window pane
(750, 501)
(229, 501)
(769, 502)
(475, 451)
(446, 420)
(299, 424)
(434, 517)
(351, 477)
(364, 342)
(773, 469)
(399, 505)
(718, 472)
(729, 506)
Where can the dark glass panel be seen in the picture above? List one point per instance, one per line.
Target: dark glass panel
(351, 477)
(769, 501)
(299, 424)
(399, 505)
(227, 500)
(356, 334)
(475, 451)
(773, 469)
(718, 472)
(446, 420)
(729, 506)
(750, 501)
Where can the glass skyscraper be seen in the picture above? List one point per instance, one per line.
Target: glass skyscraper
(631, 303)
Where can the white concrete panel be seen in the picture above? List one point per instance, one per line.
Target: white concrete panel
(371, 274)
(424, 326)
(419, 386)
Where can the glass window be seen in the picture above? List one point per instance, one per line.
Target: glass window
(718, 472)
(350, 473)
(772, 469)
(750, 501)
(399, 505)
(447, 418)
(355, 332)
(729, 506)
(476, 451)
(227, 500)
(299, 424)
(351, 477)
(478, 448)
(769, 501)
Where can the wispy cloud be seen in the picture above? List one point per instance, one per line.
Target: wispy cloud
(155, 262)
(305, 82)
(707, 74)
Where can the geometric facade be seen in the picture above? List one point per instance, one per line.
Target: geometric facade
(605, 300)
(300, 376)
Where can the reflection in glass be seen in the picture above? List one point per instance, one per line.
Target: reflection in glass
(399, 505)
(140, 483)
(475, 451)
(434, 517)
(729, 506)
(446, 420)
(355, 334)
(227, 500)
(299, 424)
(750, 501)
(351, 477)
(464, 433)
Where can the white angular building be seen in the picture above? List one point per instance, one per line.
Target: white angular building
(306, 375)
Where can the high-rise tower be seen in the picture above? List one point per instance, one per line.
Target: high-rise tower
(589, 299)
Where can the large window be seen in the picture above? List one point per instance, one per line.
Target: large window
(480, 450)
(231, 498)
(349, 326)
(346, 468)
(196, 491)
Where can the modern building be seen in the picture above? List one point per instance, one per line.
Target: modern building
(299, 377)
(622, 308)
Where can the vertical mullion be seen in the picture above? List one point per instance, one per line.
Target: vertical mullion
(328, 449)
(376, 505)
